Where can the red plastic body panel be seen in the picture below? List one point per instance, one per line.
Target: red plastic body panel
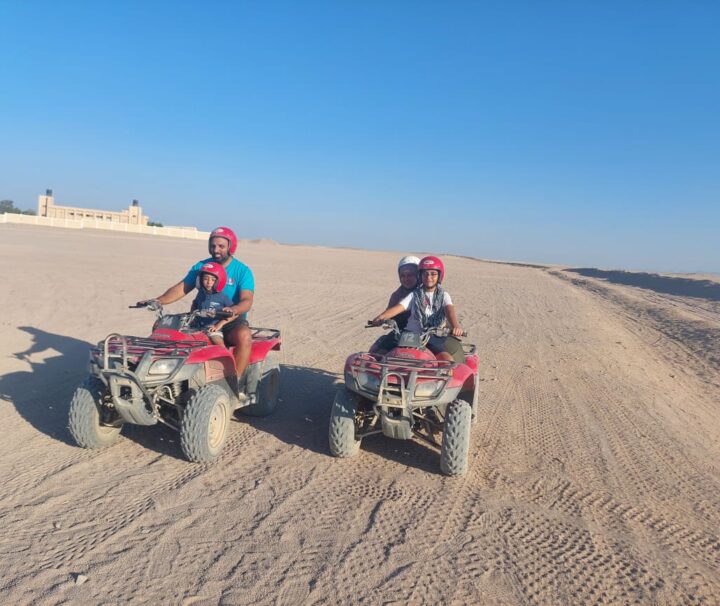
(260, 349)
(217, 357)
(175, 335)
(219, 368)
(462, 374)
(211, 352)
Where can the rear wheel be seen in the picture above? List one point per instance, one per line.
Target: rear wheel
(268, 391)
(456, 439)
(343, 442)
(88, 420)
(204, 425)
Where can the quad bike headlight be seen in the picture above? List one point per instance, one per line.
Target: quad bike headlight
(427, 389)
(368, 381)
(164, 367)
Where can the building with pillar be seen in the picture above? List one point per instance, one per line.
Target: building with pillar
(47, 208)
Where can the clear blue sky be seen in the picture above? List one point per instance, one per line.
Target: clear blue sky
(583, 133)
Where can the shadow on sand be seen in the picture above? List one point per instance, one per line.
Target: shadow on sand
(303, 411)
(303, 417)
(681, 287)
(42, 394)
(42, 397)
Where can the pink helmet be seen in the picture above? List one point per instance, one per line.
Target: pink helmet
(214, 269)
(228, 234)
(431, 262)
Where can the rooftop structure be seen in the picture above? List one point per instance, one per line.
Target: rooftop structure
(47, 208)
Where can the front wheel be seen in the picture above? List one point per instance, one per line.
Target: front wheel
(456, 439)
(205, 423)
(88, 420)
(343, 442)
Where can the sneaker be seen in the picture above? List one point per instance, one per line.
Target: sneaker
(242, 396)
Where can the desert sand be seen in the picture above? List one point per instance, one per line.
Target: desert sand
(593, 474)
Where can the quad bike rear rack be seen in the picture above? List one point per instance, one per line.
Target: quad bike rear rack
(264, 334)
(469, 349)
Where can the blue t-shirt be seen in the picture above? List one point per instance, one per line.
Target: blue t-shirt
(239, 277)
(204, 300)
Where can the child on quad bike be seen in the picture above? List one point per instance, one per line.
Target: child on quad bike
(408, 274)
(210, 282)
(240, 287)
(430, 306)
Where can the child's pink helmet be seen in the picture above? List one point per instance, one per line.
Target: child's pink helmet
(214, 269)
(228, 234)
(431, 262)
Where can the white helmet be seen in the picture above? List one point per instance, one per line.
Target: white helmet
(408, 260)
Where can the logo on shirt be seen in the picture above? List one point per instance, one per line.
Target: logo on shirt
(230, 281)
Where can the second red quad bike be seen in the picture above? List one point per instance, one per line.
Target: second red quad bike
(177, 377)
(408, 393)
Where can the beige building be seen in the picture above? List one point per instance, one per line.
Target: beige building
(47, 208)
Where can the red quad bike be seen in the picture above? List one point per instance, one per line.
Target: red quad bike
(177, 377)
(408, 392)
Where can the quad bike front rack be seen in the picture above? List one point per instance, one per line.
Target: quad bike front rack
(397, 404)
(129, 396)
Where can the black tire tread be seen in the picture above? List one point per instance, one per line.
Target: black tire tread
(194, 425)
(84, 417)
(456, 439)
(341, 433)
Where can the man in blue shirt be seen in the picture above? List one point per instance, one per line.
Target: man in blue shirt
(240, 288)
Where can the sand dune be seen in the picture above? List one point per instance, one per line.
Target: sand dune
(593, 475)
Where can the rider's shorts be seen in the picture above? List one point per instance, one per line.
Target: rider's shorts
(230, 326)
(449, 344)
(385, 343)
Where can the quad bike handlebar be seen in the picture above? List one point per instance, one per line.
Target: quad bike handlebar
(446, 332)
(386, 324)
(152, 304)
(212, 313)
(188, 318)
(392, 325)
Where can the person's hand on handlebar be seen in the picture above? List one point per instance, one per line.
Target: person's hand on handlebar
(151, 303)
(458, 332)
(375, 322)
(221, 321)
